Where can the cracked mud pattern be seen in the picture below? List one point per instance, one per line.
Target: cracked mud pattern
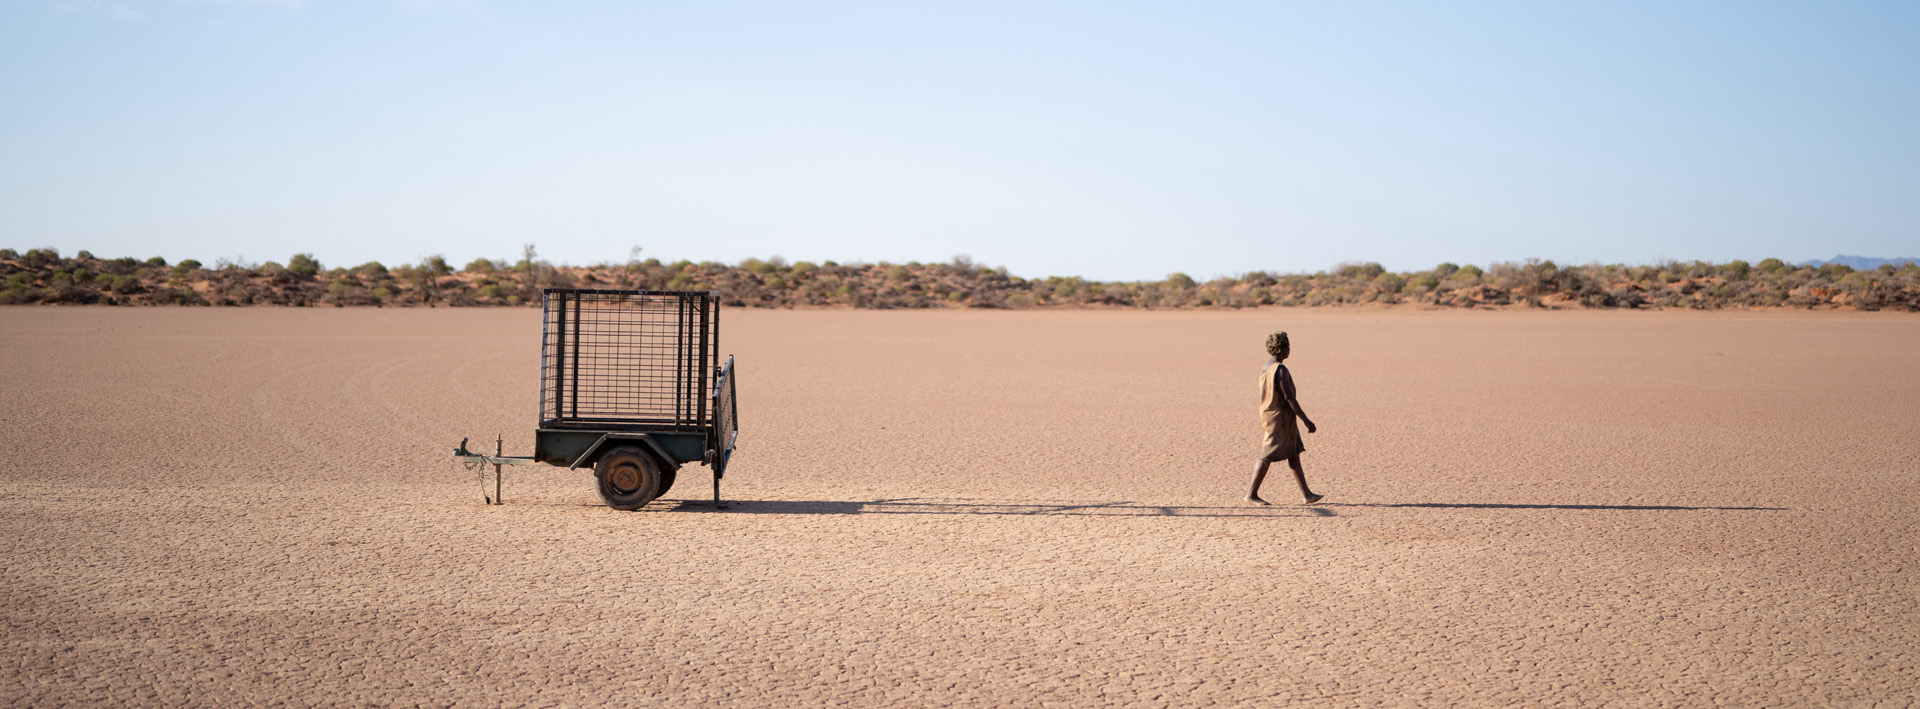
(238, 507)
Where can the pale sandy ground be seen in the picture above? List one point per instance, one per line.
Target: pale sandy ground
(229, 507)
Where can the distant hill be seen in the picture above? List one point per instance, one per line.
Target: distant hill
(1862, 263)
(46, 276)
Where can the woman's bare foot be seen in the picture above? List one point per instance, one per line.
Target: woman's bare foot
(1255, 499)
(1311, 499)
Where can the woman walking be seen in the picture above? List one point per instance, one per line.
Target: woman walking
(1278, 413)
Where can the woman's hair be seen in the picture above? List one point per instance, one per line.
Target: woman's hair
(1277, 344)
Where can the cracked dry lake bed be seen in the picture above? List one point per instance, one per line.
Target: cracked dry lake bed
(256, 506)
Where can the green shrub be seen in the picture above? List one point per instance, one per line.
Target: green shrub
(1772, 265)
(344, 289)
(85, 255)
(176, 296)
(157, 261)
(9, 254)
(1539, 277)
(303, 265)
(1389, 282)
(480, 265)
(1175, 280)
(1362, 271)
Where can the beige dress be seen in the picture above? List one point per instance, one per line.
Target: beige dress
(1277, 419)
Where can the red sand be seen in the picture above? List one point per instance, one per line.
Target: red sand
(973, 508)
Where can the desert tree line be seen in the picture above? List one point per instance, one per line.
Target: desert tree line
(45, 276)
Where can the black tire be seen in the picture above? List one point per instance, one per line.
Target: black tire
(628, 478)
(666, 482)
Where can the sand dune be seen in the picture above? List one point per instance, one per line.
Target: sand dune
(214, 506)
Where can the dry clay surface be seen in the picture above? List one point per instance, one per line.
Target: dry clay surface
(230, 507)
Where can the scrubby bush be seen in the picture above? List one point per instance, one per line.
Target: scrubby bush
(1361, 271)
(303, 265)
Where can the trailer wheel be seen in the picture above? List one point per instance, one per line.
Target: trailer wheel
(629, 478)
(666, 482)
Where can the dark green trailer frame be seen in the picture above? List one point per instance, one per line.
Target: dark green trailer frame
(632, 387)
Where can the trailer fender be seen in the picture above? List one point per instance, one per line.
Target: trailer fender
(611, 440)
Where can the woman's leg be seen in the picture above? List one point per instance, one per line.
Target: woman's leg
(1300, 476)
(1259, 474)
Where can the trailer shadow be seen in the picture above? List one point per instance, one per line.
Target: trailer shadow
(1024, 508)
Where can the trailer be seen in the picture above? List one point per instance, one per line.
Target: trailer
(632, 387)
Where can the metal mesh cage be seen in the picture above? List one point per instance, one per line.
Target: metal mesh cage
(612, 358)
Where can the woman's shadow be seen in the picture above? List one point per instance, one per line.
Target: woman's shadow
(1009, 507)
(1124, 508)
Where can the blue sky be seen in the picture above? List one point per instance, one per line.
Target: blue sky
(1108, 140)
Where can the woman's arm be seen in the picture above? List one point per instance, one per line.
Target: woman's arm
(1287, 395)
